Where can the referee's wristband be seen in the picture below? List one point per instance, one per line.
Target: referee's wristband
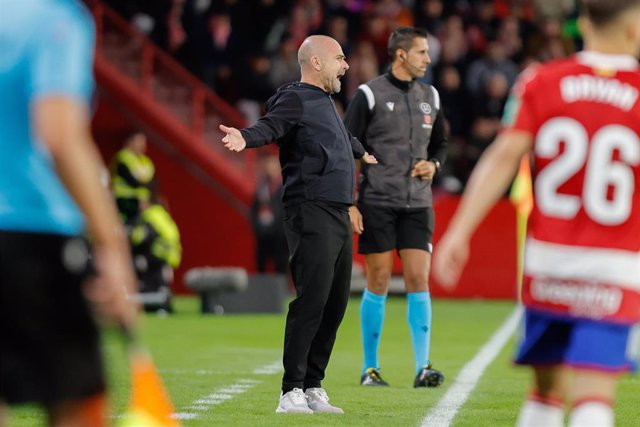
(436, 162)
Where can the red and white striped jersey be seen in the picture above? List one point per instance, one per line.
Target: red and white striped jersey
(582, 255)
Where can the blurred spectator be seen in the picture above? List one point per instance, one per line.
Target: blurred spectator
(489, 104)
(338, 29)
(363, 65)
(216, 49)
(176, 35)
(453, 98)
(428, 15)
(549, 42)
(267, 217)
(454, 46)
(284, 66)
(257, 87)
(132, 176)
(483, 68)
(557, 9)
(305, 19)
(488, 109)
(483, 26)
(394, 12)
(509, 37)
(376, 32)
(244, 49)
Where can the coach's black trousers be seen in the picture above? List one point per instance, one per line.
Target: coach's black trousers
(320, 243)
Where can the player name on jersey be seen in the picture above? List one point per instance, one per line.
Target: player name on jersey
(585, 87)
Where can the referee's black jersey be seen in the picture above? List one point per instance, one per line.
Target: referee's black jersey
(316, 151)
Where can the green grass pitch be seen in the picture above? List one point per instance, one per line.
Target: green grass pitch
(210, 366)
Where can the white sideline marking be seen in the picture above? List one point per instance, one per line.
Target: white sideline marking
(226, 393)
(442, 414)
(271, 369)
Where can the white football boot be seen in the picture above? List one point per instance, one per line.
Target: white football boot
(293, 402)
(318, 401)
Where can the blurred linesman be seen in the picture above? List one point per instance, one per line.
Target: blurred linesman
(50, 194)
(579, 120)
(399, 120)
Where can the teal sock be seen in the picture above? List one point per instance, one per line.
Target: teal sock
(419, 318)
(371, 319)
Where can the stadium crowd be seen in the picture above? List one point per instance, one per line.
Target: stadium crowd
(245, 49)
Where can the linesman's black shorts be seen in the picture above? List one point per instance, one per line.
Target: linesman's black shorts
(388, 228)
(50, 348)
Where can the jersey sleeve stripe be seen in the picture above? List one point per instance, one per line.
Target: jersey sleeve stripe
(368, 93)
(436, 97)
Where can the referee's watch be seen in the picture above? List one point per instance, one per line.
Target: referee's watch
(436, 162)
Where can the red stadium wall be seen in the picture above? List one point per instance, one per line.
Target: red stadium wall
(492, 268)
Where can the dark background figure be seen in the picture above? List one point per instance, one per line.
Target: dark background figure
(267, 218)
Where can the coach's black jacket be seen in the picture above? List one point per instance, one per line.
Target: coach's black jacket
(316, 151)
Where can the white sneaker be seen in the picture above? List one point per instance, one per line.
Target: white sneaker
(293, 402)
(318, 401)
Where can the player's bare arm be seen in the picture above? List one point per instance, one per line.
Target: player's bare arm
(489, 181)
(63, 126)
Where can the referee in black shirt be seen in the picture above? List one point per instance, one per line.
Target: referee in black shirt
(318, 170)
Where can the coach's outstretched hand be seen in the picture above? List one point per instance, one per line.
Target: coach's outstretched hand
(233, 139)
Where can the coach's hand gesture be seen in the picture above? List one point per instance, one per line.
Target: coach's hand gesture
(369, 159)
(233, 139)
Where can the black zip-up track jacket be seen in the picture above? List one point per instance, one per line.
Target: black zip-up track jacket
(316, 151)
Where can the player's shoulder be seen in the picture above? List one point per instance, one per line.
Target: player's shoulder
(537, 74)
(65, 16)
(549, 69)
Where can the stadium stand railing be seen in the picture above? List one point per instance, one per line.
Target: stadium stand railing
(182, 109)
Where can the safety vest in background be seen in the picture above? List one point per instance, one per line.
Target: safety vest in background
(156, 229)
(132, 175)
